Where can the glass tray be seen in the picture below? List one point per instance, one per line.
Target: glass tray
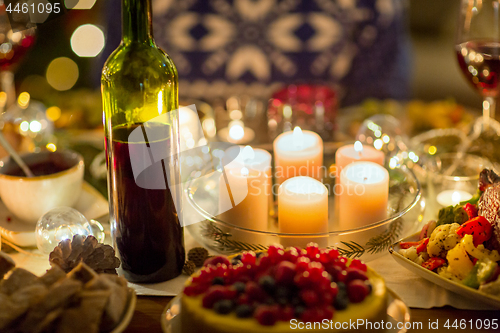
(405, 211)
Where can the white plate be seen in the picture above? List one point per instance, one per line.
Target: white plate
(439, 280)
(397, 312)
(91, 204)
(129, 312)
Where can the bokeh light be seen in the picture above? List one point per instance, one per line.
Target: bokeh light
(62, 73)
(87, 40)
(53, 113)
(79, 4)
(52, 147)
(23, 100)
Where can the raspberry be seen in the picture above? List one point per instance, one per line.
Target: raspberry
(341, 276)
(302, 280)
(195, 289)
(255, 292)
(333, 254)
(302, 264)
(273, 249)
(312, 250)
(357, 290)
(243, 299)
(216, 260)
(355, 274)
(291, 255)
(213, 295)
(277, 256)
(315, 271)
(309, 297)
(248, 258)
(341, 262)
(264, 262)
(286, 313)
(317, 314)
(356, 263)
(266, 315)
(285, 272)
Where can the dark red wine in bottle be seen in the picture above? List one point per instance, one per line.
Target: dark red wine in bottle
(140, 85)
(479, 60)
(148, 236)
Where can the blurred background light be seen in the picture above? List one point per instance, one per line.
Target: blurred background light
(79, 4)
(62, 73)
(23, 100)
(53, 113)
(87, 40)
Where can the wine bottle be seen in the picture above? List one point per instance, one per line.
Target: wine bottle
(139, 84)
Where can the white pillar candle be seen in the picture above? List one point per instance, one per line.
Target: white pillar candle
(189, 128)
(363, 195)
(303, 209)
(452, 197)
(357, 152)
(259, 160)
(242, 198)
(298, 153)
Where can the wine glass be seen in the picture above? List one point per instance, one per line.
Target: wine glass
(478, 51)
(15, 40)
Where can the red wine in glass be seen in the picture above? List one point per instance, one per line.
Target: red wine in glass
(479, 60)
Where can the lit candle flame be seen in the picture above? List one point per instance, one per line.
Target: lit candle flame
(236, 132)
(358, 147)
(298, 137)
(245, 172)
(456, 197)
(247, 153)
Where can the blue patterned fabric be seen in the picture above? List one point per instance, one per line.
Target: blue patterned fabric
(224, 47)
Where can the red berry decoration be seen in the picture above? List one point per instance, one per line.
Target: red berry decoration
(309, 297)
(266, 315)
(302, 280)
(217, 260)
(255, 292)
(302, 264)
(355, 274)
(248, 258)
(285, 273)
(213, 295)
(341, 262)
(281, 284)
(286, 314)
(357, 291)
(356, 263)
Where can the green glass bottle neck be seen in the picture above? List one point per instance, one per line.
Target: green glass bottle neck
(137, 25)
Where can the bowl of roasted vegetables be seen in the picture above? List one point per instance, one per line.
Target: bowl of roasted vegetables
(460, 250)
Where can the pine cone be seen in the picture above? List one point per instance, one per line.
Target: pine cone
(100, 257)
(189, 267)
(198, 255)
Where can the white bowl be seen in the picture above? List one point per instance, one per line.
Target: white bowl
(30, 198)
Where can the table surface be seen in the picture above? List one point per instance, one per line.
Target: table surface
(149, 309)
